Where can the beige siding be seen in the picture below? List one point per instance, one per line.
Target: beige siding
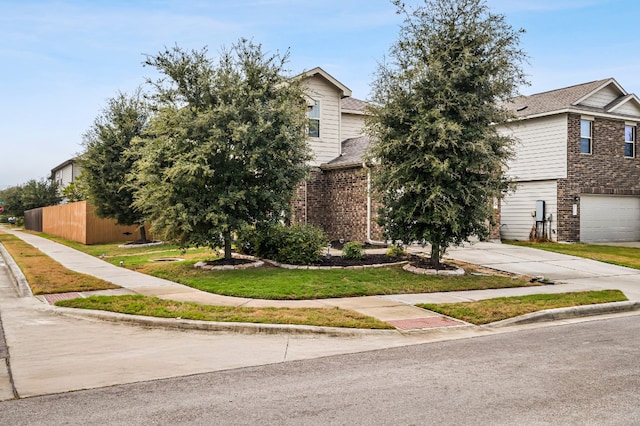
(629, 108)
(541, 148)
(517, 208)
(327, 146)
(602, 97)
(352, 125)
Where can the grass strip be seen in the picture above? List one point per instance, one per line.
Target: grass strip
(615, 255)
(491, 310)
(45, 275)
(155, 307)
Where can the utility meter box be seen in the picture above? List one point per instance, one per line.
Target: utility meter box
(540, 211)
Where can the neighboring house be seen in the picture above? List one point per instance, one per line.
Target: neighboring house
(336, 196)
(65, 173)
(576, 165)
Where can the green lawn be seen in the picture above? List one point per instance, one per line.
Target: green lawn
(288, 284)
(277, 283)
(155, 307)
(623, 256)
(491, 310)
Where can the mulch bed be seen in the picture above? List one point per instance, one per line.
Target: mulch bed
(233, 262)
(370, 259)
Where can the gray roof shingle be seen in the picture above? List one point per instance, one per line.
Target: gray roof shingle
(556, 100)
(353, 104)
(353, 152)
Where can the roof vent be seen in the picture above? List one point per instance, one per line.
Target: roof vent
(522, 108)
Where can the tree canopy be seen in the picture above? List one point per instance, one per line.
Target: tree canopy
(225, 146)
(440, 160)
(30, 195)
(107, 159)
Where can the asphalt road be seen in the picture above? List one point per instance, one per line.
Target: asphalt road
(585, 373)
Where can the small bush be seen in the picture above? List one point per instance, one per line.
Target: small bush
(395, 251)
(353, 250)
(296, 244)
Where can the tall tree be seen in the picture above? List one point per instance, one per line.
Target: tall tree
(12, 197)
(436, 104)
(226, 147)
(107, 159)
(39, 193)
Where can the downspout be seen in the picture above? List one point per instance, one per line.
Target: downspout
(306, 206)
(369, 240)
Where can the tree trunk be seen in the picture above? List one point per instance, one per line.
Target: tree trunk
(435, 255)
(227, 245)
(143, 234)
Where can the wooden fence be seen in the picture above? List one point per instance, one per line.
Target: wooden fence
(78, 222)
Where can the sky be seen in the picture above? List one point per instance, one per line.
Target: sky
(61, 60)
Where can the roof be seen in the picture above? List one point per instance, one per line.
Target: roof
(572, 98)
(353, 105)
(353, 153)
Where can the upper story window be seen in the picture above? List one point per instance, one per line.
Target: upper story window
(629, 141)
(586, 136)
(314, 120)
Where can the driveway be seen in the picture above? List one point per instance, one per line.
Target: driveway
(558, 267)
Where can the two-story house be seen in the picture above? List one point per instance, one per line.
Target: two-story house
(65, 173)
(576, 165)
(336, 197)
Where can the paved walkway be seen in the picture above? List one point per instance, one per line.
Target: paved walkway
(52, 353)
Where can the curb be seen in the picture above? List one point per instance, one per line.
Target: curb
(569, 313)
(22, 286)
(228, 327)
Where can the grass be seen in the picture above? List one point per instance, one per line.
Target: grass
(45, 275)
(491, 310)
(292, 284)
(616, 255)
(288, 284)
(155, 307)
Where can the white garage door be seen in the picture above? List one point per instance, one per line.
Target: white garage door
(609, 218)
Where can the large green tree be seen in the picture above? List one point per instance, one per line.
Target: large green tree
(30, 195)
(435, 106)
(107, 159)
(226, 147)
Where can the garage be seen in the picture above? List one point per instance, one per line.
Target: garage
(609, 218)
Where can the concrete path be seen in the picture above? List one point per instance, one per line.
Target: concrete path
(574, 273)
(51, 351)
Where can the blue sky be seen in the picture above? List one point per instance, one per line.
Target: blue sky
(61, 60)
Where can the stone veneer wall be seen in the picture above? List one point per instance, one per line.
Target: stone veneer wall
(336, 201)
(604, 171)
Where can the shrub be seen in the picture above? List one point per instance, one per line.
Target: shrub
(296, 244)
(395, 251)
(353, 250)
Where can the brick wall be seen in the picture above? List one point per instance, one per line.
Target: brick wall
(336, 201)
(604, 171)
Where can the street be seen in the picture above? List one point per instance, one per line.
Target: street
(584, 373)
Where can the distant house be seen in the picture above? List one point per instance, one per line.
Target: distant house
(65, 173)
(576, 165)
(336, 197)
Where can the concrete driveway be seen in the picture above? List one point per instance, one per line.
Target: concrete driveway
(558, 267)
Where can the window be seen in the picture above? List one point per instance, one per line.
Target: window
(314, 120)
(630, 141)
(586, 136)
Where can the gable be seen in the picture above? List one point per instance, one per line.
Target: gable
(602, 97)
